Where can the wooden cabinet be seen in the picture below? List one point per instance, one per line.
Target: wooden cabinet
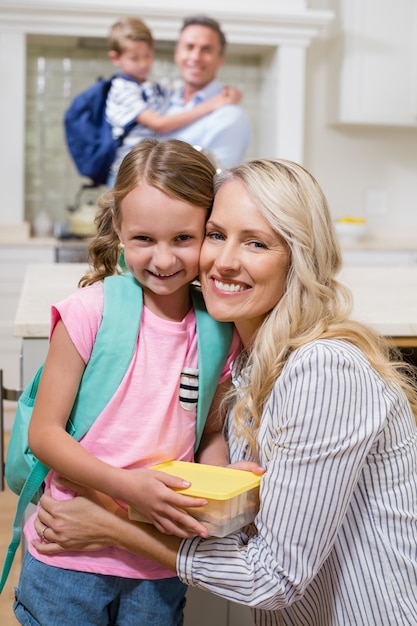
(374, 77)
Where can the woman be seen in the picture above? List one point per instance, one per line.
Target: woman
(317, 403)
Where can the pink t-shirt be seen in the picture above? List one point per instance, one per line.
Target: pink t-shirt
(144, 423)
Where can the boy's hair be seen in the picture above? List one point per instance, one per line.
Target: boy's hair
(128, 29)
(209, 22)
(172, 166)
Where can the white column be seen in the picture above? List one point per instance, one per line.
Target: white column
(12, 125)
(283, 103)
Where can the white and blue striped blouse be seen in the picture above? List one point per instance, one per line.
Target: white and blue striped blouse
(336, 538)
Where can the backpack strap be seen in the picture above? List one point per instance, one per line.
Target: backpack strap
(111, 354)
(110, 358)
(213, 342)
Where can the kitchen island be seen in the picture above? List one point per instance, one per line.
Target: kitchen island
(384, 297)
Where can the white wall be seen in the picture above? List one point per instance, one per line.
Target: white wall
(350, 161)
(347, 161)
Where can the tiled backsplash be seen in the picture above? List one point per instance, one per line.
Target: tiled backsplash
(55, 74)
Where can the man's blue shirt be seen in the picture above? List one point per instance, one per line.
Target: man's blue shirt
(225, 132)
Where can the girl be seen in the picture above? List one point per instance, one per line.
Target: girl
(156, 213)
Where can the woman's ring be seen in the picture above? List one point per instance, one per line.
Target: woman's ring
(43, 534)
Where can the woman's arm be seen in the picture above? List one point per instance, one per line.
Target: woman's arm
(167, 123)
(104, 524)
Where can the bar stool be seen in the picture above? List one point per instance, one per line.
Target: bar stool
(5, 394)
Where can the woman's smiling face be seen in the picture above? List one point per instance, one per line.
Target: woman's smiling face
(244, 262)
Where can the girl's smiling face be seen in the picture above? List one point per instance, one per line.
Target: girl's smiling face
(244, 263)
(162, 239)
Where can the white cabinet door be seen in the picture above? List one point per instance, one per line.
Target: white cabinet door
(13, 263)
(205, 609)
(239, 615)
(375, 63)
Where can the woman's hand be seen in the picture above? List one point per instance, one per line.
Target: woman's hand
(92, 521)
(247, 466)
(77, 524)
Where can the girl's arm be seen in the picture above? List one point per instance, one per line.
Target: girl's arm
(213, 449)
(150, 492)
(168, 123)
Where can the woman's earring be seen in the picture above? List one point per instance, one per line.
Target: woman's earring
(122, 262)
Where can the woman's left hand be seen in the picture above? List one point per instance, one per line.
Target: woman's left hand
(82, 523)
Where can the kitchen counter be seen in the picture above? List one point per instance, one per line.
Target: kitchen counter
(44, 284)
(384, 297)
(383, 243)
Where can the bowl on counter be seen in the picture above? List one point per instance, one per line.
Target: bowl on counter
(351, 229)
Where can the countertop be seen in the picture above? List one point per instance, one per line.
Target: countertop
(383, 243)
(384, 297)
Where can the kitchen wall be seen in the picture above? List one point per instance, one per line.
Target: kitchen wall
(366, 170)
(351, 162)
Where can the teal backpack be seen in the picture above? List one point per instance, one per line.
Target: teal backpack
(111, 355)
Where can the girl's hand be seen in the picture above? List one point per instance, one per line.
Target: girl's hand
(152, 494)
(229, 95)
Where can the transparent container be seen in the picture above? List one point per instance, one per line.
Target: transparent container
(232, 495)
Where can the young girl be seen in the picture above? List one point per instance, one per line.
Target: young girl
(157, 213)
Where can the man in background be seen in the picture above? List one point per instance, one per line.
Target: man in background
(199, 54)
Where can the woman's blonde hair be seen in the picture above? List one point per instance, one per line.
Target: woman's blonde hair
(172, 166)
(315, 304)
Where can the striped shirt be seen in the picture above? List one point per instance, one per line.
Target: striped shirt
(126, 100)
(336, 539)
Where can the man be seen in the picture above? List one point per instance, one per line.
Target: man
(199, 54)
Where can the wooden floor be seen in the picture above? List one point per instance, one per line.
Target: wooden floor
(7, 509)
